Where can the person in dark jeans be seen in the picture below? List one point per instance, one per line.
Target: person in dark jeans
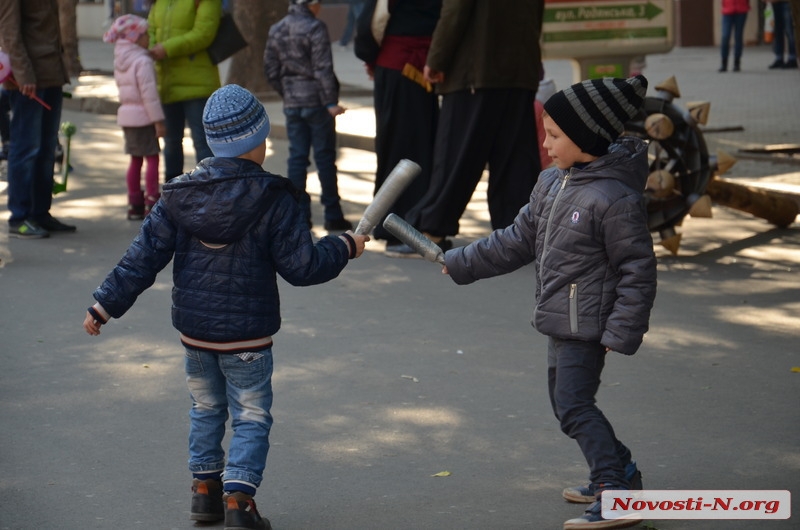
(298, 64)
(30, 34)
(353, 12)
(585, 231)
(5, 123)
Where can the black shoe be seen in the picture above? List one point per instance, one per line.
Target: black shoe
(51, 224)
(777, 64)
(338, 225)
(27, 230)
(241, 513)
(723, 68)
(207, 501)
(788, 65)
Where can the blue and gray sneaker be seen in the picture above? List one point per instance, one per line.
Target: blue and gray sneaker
(588, 493)
(592, 519)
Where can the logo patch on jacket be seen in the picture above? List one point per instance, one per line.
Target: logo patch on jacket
(576, 217)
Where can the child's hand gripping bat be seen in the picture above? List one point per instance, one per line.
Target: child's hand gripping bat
(398, 180)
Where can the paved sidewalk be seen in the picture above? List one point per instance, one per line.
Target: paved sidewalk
(391, 374)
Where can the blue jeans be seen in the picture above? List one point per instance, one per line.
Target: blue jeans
(573, 369)
(356, 7)
(784, 32)
(34, 135)
(176, 116)
(307, 128)
(242, 385)
(732, 24)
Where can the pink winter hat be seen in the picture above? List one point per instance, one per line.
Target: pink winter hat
(126, 27)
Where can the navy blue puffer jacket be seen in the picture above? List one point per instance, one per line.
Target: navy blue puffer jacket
(231, 228)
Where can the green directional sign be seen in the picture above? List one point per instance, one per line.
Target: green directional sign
(602, 28)
(599, 13)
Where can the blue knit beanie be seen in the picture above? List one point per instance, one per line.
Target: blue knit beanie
(235, 122)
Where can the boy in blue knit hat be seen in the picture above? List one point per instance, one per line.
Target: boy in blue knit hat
(585, 229)
(231, 228)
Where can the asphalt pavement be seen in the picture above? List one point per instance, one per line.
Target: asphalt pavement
(391, 374)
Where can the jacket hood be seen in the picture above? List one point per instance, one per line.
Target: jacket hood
(221, 199)
(126, 53)
(626, 161)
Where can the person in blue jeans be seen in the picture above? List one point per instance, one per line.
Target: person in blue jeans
(783, 40)
(231, 229)
(734, 16)
(298, 64)
(353, 12)
(30, 35)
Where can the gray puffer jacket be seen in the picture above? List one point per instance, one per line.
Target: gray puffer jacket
(586, 230)
(298, 62)
(231, 227)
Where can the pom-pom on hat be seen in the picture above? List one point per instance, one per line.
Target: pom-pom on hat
(593, 113)
(126, 27)
(235, 122)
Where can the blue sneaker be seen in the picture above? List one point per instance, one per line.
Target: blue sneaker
(592, 519)
(587, 494)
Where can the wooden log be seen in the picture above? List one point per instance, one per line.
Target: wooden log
(765, 204)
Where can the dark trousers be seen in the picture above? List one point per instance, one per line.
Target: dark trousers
(31, 155)
(406, 116)
(176, 116)
(494, 127)
(573, 370)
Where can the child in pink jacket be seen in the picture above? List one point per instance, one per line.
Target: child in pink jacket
(140, 114)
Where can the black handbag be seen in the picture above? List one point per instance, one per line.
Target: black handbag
(228, 40)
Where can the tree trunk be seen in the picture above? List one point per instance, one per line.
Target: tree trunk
(254, 18)
(68, 20)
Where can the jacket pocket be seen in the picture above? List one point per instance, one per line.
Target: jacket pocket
(573, 308)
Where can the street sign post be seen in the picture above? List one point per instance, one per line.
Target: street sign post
(602, 37)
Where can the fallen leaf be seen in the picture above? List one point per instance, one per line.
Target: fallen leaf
(796, 369)
(442, 474)
(410, 377)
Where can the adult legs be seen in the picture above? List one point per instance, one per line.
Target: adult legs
(574, 369)
(34, 134)
(176, 116)
(406, 116)
(174, 123)
(725, 42)
(460, 156)
(738, 38)
(193, 108)
(514, 163)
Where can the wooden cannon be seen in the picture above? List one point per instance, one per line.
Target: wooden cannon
(684, 179)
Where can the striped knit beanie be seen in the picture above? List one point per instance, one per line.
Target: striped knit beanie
(235, 122)
(593, 113)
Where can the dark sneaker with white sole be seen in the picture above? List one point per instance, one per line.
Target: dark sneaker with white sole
(592, 519)
(207, 501)
(588, 494)
(27, 230)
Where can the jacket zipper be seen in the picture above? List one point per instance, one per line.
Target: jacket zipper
(573, 308)
(546, 249)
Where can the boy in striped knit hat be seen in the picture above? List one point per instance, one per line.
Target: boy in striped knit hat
(231, 228)
(585, 229)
